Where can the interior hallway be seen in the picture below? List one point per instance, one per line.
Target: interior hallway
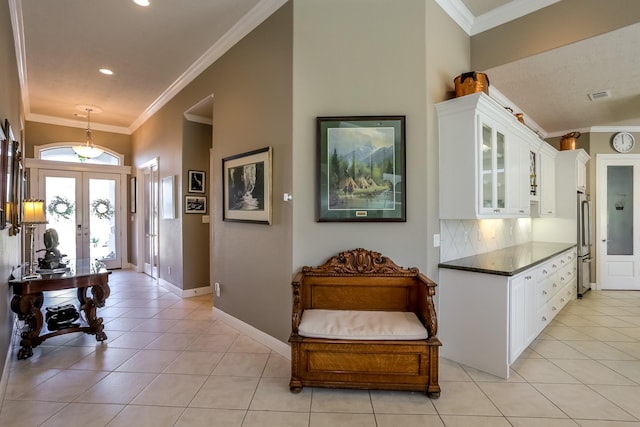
(169, 362)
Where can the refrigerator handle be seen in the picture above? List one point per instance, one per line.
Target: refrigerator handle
(586, 222)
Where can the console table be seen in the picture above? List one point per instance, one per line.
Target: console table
(28, 298)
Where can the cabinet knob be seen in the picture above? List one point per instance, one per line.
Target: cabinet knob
(544, 292)
(544, 319)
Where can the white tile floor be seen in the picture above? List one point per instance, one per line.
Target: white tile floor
(168, 362)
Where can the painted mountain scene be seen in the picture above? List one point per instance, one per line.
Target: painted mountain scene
(361, 168)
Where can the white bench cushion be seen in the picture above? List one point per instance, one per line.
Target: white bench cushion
(361, 325)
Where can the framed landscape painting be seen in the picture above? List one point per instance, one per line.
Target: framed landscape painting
(246, 187)
(361, 168)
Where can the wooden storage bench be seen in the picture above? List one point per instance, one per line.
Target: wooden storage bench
(356, 303)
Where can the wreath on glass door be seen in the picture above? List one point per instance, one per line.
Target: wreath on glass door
(60, 207)
(102, 208)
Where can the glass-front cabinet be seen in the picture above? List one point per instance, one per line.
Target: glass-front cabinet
(484, 163)
(493, 175)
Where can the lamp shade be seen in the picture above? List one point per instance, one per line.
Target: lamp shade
(87, 151)
(33, 212)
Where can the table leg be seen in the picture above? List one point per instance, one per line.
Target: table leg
(89, 306)
(28, 308)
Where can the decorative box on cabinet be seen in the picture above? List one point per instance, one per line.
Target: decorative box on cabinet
(480, 160)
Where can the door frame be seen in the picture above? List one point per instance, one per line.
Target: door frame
(34, 166)
(140, 171)
(602, 161)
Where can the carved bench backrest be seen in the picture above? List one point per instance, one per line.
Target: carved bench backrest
(359, 279)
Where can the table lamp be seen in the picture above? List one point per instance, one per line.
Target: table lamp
(32, 215)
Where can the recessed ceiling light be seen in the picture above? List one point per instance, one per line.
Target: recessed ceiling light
(144, 3)
(106, 71)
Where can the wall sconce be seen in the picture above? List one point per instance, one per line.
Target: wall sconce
(32, 214)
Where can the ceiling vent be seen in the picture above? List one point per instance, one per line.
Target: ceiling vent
(600, 95)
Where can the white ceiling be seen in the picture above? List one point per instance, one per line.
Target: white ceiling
(156, 51)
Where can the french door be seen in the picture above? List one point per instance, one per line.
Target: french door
(83, 207)
(151, 217)
(618, 230)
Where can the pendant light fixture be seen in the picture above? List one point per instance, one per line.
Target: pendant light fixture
(88, 150)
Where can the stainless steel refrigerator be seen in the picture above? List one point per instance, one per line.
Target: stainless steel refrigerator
(584, 244)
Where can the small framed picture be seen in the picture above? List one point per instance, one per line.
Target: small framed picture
(196, 181)
(195, 204)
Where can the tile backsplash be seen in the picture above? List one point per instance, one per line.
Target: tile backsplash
(462, 238)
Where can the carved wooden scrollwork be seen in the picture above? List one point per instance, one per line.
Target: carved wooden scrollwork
(360, 261)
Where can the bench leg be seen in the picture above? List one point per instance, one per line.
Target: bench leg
(295, 386)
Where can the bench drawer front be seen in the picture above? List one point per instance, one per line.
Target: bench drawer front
(364, 363)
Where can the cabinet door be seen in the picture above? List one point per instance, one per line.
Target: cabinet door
(518, 183)
(517, 314)
(581, 175)
(492, 181)
(547, 184)
(523, 313)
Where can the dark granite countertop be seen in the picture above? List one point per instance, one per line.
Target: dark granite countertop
(508, 261)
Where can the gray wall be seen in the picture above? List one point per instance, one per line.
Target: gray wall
(355, 59)
(251, 88)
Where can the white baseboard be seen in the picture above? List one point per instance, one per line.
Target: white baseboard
(274, 344)
(4, 380)
(185, 293)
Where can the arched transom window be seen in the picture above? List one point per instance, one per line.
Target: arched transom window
(63, 152)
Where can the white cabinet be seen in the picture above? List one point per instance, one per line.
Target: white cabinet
(492, 191)
(547, 204)
(523, 327)
(518, 181)
(571, 176)
(479, 178)
(557, 288)
(487, 320)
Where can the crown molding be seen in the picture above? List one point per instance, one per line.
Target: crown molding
(458, 12)
(17, 26)
(198, 119)
(473, 25)
(610, 129)
(251, 20)
(51, 120)
(501, 99)
(505, 13)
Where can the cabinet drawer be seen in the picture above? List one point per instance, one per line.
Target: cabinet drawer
(548, 268)
(555, 284)
(543, 317)
(544, 293)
